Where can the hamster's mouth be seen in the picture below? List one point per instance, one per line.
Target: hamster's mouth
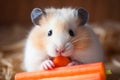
(51, 58)
(67, 53)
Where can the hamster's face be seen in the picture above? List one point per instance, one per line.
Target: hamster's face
(60, 33)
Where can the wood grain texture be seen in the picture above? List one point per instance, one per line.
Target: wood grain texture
(18, 12)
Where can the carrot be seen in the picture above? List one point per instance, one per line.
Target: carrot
(60, 61)
(63, 71)
(93, 76)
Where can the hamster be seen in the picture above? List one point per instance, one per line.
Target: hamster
(60, 32)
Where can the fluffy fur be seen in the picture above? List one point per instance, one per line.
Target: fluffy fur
(84, 47)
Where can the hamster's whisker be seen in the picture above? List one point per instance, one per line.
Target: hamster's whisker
(78, 47)
(78, 39)
(75, 38)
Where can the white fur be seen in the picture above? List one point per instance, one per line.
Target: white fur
(35, 57)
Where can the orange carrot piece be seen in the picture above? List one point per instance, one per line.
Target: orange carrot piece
(63, 71)
(60, 61)
(93, 76)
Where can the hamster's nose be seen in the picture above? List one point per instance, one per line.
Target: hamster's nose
(60, 50)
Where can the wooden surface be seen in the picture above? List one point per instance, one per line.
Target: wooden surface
(18, 11)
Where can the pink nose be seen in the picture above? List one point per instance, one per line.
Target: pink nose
(60, 50)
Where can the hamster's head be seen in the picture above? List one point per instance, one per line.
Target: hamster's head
(60, 31)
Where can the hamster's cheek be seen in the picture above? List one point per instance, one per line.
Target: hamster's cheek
(51, 50)
(69, 50)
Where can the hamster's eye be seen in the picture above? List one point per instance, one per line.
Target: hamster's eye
(71, 33)
(50, 33)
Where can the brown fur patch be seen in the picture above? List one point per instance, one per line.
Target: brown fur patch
(84, 38)
(60, 26)
(38, 38)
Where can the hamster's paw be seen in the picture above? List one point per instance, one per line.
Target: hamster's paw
(73, 63)
(46, 65)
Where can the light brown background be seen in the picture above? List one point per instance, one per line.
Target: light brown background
(18, 11)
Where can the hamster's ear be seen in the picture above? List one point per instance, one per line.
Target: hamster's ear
(36, 15)
(83, 15)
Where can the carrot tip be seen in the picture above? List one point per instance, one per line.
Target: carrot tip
(108, 72)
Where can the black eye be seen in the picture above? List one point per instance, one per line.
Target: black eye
(50, 33)
(71, 33)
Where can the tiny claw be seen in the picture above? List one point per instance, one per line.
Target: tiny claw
(46, 65)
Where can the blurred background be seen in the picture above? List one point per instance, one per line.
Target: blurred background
(15, 24)
(18, 12)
